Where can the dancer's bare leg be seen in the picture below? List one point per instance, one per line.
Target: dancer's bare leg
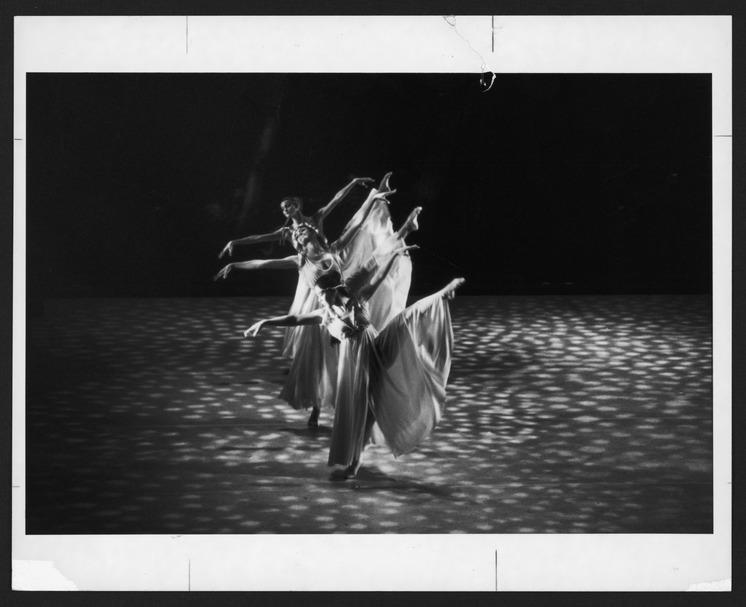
(371, 279)
(410, 225)
(354, 226)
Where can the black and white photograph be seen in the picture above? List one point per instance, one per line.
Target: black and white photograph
(323, 303)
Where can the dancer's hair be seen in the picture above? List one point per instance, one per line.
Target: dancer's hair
(295, 200)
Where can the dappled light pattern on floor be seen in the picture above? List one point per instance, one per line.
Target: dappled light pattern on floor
(564, 414)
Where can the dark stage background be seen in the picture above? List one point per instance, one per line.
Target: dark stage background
(544, 184)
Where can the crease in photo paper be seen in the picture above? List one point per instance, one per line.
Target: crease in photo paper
(488, 75)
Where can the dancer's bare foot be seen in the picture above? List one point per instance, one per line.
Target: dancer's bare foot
(313, 420)
(449, 291)
(343, 474)
(340, 474)
(384, 185)
(352, 470)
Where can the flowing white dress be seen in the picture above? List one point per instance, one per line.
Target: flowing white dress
(396, 377)
(365, 242)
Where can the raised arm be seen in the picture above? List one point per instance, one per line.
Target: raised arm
(339, 197)
(275, 236)
(286, 263)
(289, 320)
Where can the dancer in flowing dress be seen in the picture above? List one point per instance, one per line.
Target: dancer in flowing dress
(292, 208)
(367, 236)
(305, 299)
(395, 377)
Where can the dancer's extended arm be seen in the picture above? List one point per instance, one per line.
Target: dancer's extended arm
(339, 197)
(278, 234)
(286, 263)
(289, 320)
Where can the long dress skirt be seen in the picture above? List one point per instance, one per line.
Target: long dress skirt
(311, 380)
(313, 371)
(398, 376)
(372, 244)
(305, 300)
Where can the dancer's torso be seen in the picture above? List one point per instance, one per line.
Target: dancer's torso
(324, 270)
(346, 322)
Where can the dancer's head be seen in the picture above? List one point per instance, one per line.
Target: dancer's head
(291, 206)
(329, 280)
(331, 288)
(307, 240)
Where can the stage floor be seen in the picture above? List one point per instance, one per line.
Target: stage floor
(565, 414)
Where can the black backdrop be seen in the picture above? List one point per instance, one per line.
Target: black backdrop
(543, 184)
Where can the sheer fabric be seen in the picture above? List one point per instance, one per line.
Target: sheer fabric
(312, 376)
(396, 377)
(365, 252)
(305, 301)
(365, 241)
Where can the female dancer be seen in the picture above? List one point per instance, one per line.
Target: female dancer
(396, 377)
(367, 235)
(304, 299)
(292, 208)
(310, 382)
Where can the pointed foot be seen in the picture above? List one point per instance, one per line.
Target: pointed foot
(384, 185)
(344, 474)
(449, 291)
(338, 475)
(412, 224)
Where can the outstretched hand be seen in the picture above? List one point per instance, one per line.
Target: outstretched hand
(254, 329)
(227, 250)
(225, 270)
(409, 247)
(364, 181)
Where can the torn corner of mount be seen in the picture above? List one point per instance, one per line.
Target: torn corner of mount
(715, 586)
(39, 575)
